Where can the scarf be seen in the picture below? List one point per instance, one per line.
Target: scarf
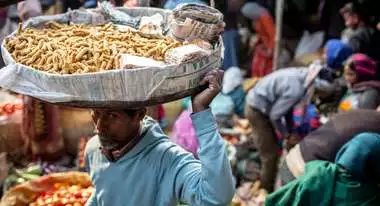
(362, 86)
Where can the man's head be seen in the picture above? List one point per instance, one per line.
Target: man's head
(353, 15)
(336, 53)
(359, 68)
(117, 126)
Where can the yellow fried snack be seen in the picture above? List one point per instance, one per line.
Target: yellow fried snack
(77, 48)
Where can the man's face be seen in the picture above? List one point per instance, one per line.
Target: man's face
(351, 20)
(116, 125)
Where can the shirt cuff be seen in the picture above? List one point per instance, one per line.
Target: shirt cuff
(203, 122)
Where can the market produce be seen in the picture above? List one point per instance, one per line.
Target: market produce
(8, 108)
(64, 195)
(18, 176)
(78, 48)
(70, 188)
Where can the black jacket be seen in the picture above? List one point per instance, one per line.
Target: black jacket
(325, 142)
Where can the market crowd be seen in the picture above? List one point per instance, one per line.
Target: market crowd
(302, 129)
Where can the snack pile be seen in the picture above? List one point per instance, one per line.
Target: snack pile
(76, 48)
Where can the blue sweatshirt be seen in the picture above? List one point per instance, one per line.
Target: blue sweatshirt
(160, 173)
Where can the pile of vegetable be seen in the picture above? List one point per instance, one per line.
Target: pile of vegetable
(8, 108)
(18, 176)
(64, 195)
(57, 189)
(32, 172)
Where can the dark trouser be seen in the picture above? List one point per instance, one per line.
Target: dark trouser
(266, 143)
(231, 40)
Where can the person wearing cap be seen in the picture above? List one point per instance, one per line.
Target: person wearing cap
(352, 178)
(269, 107)
(263, 24)
(361, 35)
(364, 88)
(335, 53)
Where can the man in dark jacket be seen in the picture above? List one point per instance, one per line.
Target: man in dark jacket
(325, 142)
(363, 36)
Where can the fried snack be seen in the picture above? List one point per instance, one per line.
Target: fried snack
(78, 48)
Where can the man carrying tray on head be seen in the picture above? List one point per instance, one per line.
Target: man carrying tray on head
(132, 162)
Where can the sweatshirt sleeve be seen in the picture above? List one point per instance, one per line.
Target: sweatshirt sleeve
(207, 181)
(281, 108)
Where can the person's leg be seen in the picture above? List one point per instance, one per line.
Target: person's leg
(231, 47)
(266, 143)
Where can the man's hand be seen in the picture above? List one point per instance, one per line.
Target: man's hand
(213, 80)
(291, 141)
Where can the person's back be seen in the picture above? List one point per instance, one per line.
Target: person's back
(282, 84)
(324, 143)
(361, 39)
(352, 179)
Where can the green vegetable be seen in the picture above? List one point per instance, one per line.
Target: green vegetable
(34, 169)
(9, 182)
(20, 180)
(24, 175)
(30, 176)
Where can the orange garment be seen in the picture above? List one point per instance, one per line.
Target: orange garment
(266, 30)
(262, 62)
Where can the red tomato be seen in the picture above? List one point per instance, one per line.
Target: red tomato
(9, 108)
